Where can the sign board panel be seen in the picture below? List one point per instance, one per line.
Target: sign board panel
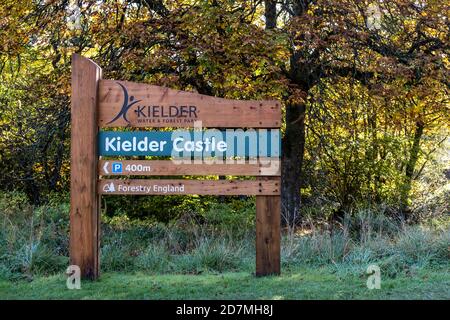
(182, 143)
(123, 103)
(262, 167)
(185, 187)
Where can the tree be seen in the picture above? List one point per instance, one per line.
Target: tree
(364, 83)
(334, 40)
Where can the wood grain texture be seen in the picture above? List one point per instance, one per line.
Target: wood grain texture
(268, 215)
(84, 213)
(212, 111)
(188, 187)
(169, 168)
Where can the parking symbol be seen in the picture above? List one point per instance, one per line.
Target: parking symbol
(117, 167)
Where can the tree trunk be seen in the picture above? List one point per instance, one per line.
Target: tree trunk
(411, 165)
(270, 14)
(293, 148)
(293, 145)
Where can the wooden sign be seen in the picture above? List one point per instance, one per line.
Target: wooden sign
(110, 103)
(262, 167)
(186, 187)
(123, 103)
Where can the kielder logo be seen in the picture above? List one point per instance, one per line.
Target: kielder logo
(148, 113)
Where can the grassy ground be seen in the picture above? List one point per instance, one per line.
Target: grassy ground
(213, 258)
(301, 284)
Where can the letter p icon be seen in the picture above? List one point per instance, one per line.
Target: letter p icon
(117, 167)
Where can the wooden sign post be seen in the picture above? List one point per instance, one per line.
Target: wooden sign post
(84, 202)
(98, 103)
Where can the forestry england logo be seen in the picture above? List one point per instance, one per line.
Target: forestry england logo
(154, 113)
(109, 187)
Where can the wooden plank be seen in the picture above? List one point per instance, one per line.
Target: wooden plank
(268, 235)
(124, 103)
(185, 187)
(84, 213)
(171, 168)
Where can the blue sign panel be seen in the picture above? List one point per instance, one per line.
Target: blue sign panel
(116, 167)
(188, 143)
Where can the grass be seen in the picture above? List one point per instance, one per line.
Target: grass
(308, 283)
(211, 256)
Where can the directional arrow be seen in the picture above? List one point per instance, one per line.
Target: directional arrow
(105, 167)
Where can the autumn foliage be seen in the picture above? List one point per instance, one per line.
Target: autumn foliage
(364, 85)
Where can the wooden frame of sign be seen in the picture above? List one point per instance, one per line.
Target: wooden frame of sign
(98, 103)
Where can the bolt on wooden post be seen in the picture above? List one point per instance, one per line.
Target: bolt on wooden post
(99, 104)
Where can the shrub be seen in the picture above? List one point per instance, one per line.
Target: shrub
(218, 255)
(317, 249)
(34, 240)
(154, 259)
(212, 255)
(116, 257)
(236, 218)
